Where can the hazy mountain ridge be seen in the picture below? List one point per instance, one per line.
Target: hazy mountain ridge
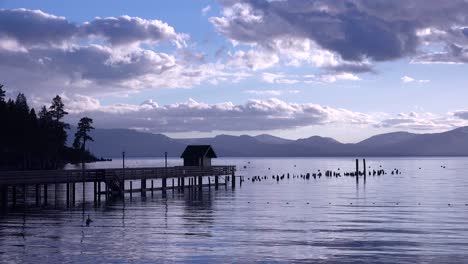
(111, 142)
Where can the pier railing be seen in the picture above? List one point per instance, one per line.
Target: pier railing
(91, 175)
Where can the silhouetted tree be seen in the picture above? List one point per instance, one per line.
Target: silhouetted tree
(82, 133)
(2, 94)
(30, 141)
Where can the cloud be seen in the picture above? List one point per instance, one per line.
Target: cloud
(44, 55)
(282, 78)
(423, 121)
(127, 30)
(201, 117)
(271, 92)
(355, 31)
(279, 78)
(252, 60)
(206, 10)
(407, 79)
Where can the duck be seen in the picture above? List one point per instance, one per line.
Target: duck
(88, 221)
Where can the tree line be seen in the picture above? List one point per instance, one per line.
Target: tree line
(30, 140)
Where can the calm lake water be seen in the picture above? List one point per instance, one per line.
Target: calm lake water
(419, 216)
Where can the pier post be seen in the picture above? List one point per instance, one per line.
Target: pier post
(200, 182)
(365, 172)
(152, 188)
(143, 187)
(45, 194)
(178, 183)
(357, 170)
(68, 194)
(13, 190)
(209, 182)
(99, 192)
(95, 192)
(233, 180)
(131, 189)
(107, 190)
(164, 182)
(73, 193)
(173, 187)
(38, 194)
(216, 182)
(4, 189)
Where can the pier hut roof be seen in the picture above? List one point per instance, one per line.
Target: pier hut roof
(194, 151)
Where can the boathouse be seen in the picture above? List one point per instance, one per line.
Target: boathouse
(198, 155)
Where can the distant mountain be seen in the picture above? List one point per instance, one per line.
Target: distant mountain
(387, 139)
(269, 139)
(111, 142)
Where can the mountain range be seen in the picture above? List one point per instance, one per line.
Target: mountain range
(111, 143)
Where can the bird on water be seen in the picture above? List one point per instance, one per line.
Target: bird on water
(88, 221)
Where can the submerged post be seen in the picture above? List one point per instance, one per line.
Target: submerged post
(365, 172)
(38, 194)
(4, 189)
(233, 179)
(122, 184)
(357, 170)
(164, 182)
(216, 182)
(45, 194)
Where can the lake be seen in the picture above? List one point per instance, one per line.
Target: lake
(418, 216)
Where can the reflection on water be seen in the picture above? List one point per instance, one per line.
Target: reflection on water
(418, 216)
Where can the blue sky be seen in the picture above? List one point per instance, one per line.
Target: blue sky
(344, 69)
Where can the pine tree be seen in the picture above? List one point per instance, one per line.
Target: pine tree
(82, 133)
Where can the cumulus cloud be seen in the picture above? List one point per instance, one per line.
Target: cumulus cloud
(354, 31)
(44, 54)
(253, 60)
(201, 117)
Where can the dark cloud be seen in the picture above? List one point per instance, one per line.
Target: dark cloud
(42, 54)
(125, 29)
(34, 27)
(357, 30)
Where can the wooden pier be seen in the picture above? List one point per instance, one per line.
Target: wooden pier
(110, 182)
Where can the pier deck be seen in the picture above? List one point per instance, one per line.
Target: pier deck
(113, 180)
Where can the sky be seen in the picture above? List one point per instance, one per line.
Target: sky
(346, 69)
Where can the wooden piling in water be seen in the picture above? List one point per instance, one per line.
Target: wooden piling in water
(200, 182)
(143, 187)
(45, 194)
(13, 191)
(357, 170)
(216, 182)
(152, 188)
(131, 189)
(73, 189)
(4, 190)
(365, 171)
(68, 194)
(99, 192)
(233, 180)
(94, 192)
(38, 194)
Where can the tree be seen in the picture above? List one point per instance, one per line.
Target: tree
(2, 94)
(57, 109)
(82, 133)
